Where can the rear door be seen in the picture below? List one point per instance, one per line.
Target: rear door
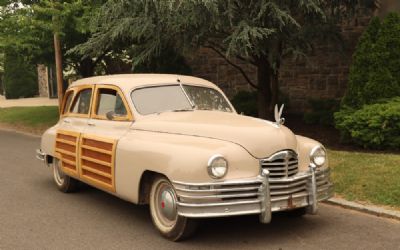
(100, 137)
(74, 118)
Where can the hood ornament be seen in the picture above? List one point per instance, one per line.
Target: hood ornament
(278, 119)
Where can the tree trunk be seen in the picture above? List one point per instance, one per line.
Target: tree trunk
(264, 93)
(59, 69)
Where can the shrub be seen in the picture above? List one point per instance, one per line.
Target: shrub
(321, 111)
(245, 102)
(20, 77)
(374, 73)
(375, 126)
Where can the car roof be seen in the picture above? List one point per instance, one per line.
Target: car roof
(128, 82)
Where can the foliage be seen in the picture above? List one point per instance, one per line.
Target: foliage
(167, 62)
(321, 112)
(371, 177)
(28, 27)
(374, 126)
(375, 74)
(20, 77)
(257, 32)
(245, 102)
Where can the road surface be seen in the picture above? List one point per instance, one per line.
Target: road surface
(35, 215)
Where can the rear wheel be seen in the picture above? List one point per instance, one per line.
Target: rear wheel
(64, 183)
(163, 209)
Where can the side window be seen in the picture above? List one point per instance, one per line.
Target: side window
(68, 100)
(110, 100)
(81, 104)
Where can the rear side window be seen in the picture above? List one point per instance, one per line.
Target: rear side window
(68, 100)
(81, 104)
(110, 100)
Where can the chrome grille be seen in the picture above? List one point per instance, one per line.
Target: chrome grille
(282, 164)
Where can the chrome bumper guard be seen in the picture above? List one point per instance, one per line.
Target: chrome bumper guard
(40, 155)
(261, 195)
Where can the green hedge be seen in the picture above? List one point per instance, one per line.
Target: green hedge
(20, 77)
(375, 126)
(321, 111)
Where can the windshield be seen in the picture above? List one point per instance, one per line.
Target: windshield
(176, 98)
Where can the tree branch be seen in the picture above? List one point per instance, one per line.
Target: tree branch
(234, 65)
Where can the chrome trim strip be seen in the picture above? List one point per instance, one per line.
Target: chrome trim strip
(218, 196)
(225, 214)
(219, 204)
(235, 189)
(222, 183)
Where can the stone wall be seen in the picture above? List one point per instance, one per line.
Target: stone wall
(323, 75)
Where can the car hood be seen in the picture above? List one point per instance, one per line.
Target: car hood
(260, 138)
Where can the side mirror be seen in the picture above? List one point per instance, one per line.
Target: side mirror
(110, 115)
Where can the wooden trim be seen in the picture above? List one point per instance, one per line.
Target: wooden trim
(129, 115)
(66, 142)
(96, 171)
(103, 151)
(103, 184)
(59, 152)
(103, 163)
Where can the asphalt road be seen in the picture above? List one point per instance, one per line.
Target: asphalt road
(35, 215)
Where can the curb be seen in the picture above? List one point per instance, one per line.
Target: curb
(17, 131)
(369, 209)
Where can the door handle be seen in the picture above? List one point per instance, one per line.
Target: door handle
(66, 121)
(91, 124)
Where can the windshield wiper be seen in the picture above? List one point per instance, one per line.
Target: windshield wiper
(176, 110)
(181, 110)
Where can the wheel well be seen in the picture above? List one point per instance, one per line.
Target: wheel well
(145, 185)
(49, 159)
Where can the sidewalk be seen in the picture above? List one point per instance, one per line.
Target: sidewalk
(27, 102)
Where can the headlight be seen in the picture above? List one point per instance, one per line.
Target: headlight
(217, 166)
(318, 156)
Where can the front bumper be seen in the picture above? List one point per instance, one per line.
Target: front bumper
(261, 195)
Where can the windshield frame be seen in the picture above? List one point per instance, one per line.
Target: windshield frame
(181, 85)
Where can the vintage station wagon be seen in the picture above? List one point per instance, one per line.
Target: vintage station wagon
(176, 143)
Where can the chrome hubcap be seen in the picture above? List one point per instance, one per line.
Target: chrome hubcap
(167, 204)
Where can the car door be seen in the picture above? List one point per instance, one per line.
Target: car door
(99, 140)
(75, 114)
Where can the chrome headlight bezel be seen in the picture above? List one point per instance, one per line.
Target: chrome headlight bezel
(318, 156)
(216, 171)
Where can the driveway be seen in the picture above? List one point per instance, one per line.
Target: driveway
(27, 102)
(34, 215)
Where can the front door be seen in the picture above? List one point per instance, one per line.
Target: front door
(111, 118)
(74, 117)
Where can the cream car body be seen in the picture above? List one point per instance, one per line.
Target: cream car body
(269, 168)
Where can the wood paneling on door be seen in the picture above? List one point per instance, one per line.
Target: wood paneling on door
(97, 157)
(66, 151)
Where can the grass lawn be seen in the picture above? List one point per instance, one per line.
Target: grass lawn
(29, 119)
(370, 177)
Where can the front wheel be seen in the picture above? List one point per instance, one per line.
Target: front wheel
(64, 183)
(163, 209)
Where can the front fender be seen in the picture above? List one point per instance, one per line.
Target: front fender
(304, 147)
(179, 157)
